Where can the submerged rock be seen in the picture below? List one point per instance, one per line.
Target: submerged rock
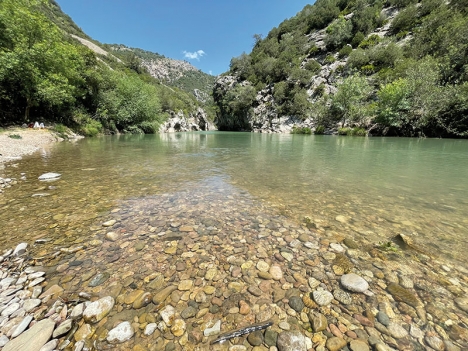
(50, 176)
(403, 295)
(121, 333)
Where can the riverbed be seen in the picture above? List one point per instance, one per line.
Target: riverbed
(207, 215)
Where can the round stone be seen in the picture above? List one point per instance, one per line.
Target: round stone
(295, 302)
(353, 282)
(342, 296)
(276, 272)
(121, 333)
(322, 297)
(396, 330)
(358, 345)
(263, 266)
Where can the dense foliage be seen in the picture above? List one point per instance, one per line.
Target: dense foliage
(45, 74)
(395, 67)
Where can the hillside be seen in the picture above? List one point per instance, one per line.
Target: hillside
(396, 67)
(175, 73)
(50, 70)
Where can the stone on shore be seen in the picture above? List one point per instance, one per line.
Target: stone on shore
(97, 310)
(121, 333)
(291, 341)
(20, 249)
(32, 339)
(49, 176)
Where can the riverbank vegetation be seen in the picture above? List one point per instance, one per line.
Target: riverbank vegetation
(394, 67)
(47, 74)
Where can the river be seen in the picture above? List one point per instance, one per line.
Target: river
(375, 187)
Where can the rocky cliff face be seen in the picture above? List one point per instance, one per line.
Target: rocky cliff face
(264, 115)
(197, 121)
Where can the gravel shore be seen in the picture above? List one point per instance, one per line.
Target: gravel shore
(31, 140)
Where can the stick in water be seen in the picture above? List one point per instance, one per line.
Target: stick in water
(242, 331)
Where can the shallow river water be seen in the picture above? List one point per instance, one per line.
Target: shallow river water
(375, 187)
(233, 227)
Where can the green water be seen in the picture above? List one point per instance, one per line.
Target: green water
(375, 187)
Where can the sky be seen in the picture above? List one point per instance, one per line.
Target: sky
(206, 33)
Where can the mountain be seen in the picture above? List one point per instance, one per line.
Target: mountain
(51, 70)
(175, 73)
(394, 67)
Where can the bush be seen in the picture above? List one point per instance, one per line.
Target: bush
(368, 69)
(401, 35)
(358, 38)
(373, 40)
(319, 90)
(358, 58)
(357, 132)
(313, 50)
(61, 130)
(344, 131)
(301, 130)
(15, 136)
(91, 128)
(345, 51)
(405, 20)
(330, 59)
(319, 130)
(313, 66)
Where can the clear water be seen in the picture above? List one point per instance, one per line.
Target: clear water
(375, 187)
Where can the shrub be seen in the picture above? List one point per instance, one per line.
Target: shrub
(358, 58)
(344, 131)
(373, 40)
(313, 50)
(330, 59)
(357, 132)
(319, 90)
(313, 66)
(319, 130)
(358, 38)
(91, 128)
(15, 136)
(368, 69)
(405, 20)
(345, 51)
(301, 130)
(61, 130)
(401, 35)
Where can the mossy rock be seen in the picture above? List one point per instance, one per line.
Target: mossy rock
(343, 261)
(401, 294)
(350, 243)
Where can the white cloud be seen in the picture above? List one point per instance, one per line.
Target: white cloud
(210, 72)
(194, 55)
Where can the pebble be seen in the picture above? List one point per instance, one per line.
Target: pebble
(214, 330)
(97, 310)
(121, 333)
(291, 341)
(396, 330)
(322, 297)
(354, 282)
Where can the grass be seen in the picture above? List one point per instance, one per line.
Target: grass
(15, 136)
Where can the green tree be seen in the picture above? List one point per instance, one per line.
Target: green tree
(38, 66)
(393, 103)
(127, 101)
(350, 100)
(339, 32)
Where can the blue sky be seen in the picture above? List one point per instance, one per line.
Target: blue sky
(207, 33)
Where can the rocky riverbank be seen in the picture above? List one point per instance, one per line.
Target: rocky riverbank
(17, 142)
(166, 274)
